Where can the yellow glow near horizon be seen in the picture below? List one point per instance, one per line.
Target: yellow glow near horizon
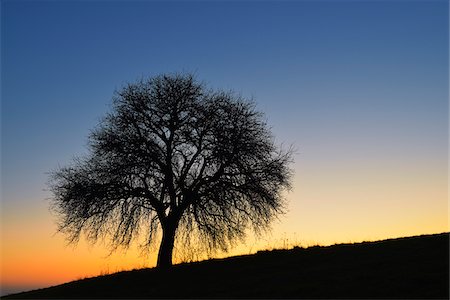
(326, 208)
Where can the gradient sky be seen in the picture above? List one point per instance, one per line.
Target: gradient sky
(360, 88)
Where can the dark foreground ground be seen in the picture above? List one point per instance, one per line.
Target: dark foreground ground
(415, 267)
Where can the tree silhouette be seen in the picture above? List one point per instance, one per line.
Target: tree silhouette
(177, 158)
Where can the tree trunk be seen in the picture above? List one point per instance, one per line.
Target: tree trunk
(166, 247)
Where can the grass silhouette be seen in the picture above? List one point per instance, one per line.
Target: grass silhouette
(409, 268)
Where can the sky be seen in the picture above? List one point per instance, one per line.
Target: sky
(359, 88)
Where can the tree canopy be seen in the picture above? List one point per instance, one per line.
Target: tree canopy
(176, 158)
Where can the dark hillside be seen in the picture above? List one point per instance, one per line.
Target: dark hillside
(415, 267)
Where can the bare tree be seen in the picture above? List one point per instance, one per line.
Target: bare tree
(177, 158)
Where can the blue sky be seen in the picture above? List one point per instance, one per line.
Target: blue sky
(330, 65)
(360, 88)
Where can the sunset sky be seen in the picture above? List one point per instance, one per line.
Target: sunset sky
(360, 88)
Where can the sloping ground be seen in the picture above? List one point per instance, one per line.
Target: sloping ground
(415, 267)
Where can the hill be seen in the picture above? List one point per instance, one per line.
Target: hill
(413, 267)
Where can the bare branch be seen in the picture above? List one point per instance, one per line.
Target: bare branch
(175, 158)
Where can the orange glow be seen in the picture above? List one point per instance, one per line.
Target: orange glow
(327, 206)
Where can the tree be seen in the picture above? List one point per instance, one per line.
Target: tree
(175, 158)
